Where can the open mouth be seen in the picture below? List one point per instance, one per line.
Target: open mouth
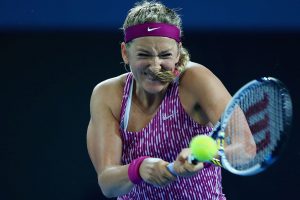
(151, 76)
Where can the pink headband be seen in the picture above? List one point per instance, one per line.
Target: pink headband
(152, 29)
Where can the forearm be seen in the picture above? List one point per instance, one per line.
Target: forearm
(114, 181)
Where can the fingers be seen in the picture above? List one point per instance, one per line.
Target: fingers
(192, 168)
(163, 180)
(183, 156)
(183, 167)
(154, 171)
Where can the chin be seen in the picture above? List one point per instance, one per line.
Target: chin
(155, 87)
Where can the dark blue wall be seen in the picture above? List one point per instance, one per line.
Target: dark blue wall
(48, 73)
(46, 82)
(96, 14)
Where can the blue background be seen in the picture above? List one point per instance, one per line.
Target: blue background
(53, 53)
(203, 14)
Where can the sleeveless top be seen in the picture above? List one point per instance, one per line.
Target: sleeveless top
(169, 131)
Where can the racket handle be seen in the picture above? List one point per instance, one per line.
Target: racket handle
(194, 161)
(171, 169)
(191, 160)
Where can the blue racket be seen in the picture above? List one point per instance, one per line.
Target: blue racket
(253, 128)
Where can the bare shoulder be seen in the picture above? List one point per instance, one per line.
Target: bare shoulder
(110, 85)
(200, 87)
(197, 76)
(108, 93)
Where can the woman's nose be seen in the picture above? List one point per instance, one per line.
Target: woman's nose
(156, 62)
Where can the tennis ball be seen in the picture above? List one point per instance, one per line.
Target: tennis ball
(203, 148)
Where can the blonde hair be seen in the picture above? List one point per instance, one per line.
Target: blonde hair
(153, 11)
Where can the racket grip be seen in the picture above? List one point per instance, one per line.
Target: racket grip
(194, 161)
(191, 160)
(170, 166)
(171, 169)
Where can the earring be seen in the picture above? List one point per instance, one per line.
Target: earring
(126, 66)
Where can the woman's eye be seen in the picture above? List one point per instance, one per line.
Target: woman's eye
(143, 55)
(166, 55)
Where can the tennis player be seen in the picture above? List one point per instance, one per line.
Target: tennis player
(145, 119)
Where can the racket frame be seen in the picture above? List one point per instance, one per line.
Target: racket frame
(218, 132)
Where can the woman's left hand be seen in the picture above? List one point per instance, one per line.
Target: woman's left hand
(183, 167)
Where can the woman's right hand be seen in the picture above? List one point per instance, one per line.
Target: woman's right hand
(154, 171)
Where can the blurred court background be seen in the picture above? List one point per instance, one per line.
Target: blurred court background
(52, 54)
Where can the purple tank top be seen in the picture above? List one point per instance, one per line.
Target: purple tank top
(169, 131)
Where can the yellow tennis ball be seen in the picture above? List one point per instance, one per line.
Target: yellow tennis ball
(203, 148)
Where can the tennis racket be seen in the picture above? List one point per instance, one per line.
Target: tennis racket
(253, 128)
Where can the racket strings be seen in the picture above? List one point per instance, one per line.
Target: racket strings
(263, 110)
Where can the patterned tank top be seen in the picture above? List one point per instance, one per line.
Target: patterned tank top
(169, 131)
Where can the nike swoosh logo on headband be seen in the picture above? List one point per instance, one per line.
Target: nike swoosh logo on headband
(152, 29)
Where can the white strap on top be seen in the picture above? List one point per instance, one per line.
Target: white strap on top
(128, 105)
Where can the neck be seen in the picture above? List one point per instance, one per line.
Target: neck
(147, 102)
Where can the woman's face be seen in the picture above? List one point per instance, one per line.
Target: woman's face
(147, 55)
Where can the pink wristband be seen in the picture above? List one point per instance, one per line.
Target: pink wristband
(133, 170)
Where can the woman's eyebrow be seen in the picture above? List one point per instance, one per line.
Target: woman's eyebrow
(165, 51)
(141, 49)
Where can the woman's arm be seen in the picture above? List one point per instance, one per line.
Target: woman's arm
(199, 88)
(206, 90)
(105, 146)
(211, 95)
(104, 142)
